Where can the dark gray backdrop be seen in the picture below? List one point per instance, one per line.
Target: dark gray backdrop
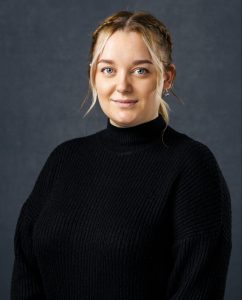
(43, 80)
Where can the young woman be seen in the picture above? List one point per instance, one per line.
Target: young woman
(137, 210)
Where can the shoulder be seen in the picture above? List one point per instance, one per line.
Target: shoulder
(74, 142)
(55, 164)
(189, 151)
(71, 146)
(198, 166)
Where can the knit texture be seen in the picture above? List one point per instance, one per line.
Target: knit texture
(133, 213)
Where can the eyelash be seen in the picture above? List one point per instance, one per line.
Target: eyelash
(144, 69)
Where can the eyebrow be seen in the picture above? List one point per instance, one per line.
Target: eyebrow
(134, 63)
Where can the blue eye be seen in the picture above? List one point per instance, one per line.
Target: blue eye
(107, 69)
(142, 71)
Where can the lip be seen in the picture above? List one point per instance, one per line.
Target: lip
(125, 100)
(125, 103)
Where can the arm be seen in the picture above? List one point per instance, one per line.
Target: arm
(26, 280)
(202, 230)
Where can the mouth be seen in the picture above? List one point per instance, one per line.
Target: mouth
(125, 103)
(125, 100)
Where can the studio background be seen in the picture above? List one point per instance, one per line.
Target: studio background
(43, 81)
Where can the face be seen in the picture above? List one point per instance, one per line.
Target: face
(125, 80)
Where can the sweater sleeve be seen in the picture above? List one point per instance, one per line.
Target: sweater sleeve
(202, 230)
(26, 280)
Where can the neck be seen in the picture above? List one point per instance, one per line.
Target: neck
(126, 139)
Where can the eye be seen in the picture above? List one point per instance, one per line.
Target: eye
(107, 70)
(141, 71)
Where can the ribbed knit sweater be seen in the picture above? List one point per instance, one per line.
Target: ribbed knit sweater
(125, 213)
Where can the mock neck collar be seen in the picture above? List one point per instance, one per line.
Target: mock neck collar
(126, 139)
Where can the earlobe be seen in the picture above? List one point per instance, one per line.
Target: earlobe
(167, 84)
(170, 75)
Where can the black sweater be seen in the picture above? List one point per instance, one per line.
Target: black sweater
(125, 214)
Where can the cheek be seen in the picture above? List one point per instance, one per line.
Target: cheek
(103, 87)
(148, 89)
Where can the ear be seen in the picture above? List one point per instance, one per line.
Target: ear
(169, 77)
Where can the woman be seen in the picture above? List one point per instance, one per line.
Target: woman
(137, 210)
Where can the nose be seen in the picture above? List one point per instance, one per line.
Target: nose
(123, 84)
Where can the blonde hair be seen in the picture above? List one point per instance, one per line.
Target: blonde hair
(156, 37)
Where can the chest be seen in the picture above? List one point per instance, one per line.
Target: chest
(105, 209)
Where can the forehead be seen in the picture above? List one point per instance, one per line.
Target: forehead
(125, 45)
